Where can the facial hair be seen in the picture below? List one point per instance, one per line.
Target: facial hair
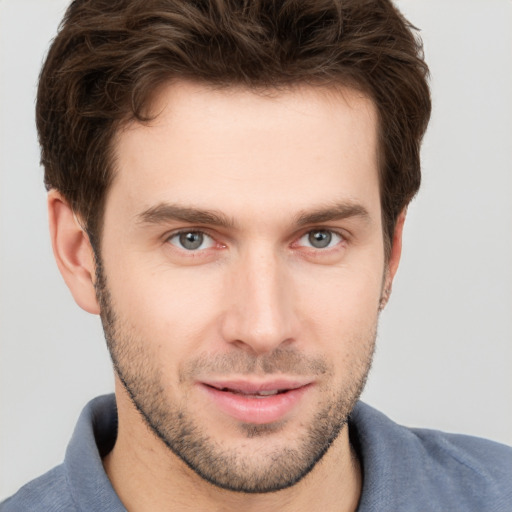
(175, 425)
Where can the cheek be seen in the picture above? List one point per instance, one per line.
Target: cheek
(340, 311)
(163, 306)
(339, 295)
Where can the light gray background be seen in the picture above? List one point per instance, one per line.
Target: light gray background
(444, 354)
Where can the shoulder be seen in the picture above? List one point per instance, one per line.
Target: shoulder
(482, 458)
(421, 468)
(475, 471)
(80, 482)
(50, 493)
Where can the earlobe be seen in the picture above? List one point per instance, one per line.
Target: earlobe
(73, 252)
(394, 259)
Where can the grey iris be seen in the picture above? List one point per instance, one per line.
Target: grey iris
(320, 239)
(191, 240)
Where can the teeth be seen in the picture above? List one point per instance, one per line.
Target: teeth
(258, 393)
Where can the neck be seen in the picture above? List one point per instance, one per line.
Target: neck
(147, 476)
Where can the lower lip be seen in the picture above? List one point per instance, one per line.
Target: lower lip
(259, 411)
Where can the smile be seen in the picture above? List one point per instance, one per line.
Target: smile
(256, 403)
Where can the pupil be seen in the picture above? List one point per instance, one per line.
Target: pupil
(191, 240)
(320, 239)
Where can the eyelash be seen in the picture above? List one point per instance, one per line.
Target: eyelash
(331, 234)
(194, 252)
(201, 232)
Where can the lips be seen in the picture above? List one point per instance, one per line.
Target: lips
(256, 402)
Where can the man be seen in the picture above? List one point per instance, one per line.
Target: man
(227, 189)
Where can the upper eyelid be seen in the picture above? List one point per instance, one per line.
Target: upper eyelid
(343, 233)
(333, 231)
(179, 231)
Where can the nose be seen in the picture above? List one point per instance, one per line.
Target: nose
(260, 315)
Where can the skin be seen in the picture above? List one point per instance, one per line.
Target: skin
(255, 301)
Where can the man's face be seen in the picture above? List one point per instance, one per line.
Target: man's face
(242, 269)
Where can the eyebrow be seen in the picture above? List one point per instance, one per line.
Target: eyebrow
(166, 212)
(338, 211)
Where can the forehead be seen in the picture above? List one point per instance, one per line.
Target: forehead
(232, 148)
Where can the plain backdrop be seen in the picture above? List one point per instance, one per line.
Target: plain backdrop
(444, 355)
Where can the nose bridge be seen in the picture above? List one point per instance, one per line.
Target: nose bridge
(261, 312)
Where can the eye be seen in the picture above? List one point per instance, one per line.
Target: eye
(191, 240)
(320, 239)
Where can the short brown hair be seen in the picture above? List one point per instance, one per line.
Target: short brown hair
(110, 55)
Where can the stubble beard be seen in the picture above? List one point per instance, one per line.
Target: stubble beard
(175, 426)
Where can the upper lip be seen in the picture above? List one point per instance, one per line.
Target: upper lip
(252, 386)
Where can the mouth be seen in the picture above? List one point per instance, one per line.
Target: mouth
(257, 394)
(257, 403)
(254, 394)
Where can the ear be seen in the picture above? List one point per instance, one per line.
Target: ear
(73, 252)
(394, 258)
